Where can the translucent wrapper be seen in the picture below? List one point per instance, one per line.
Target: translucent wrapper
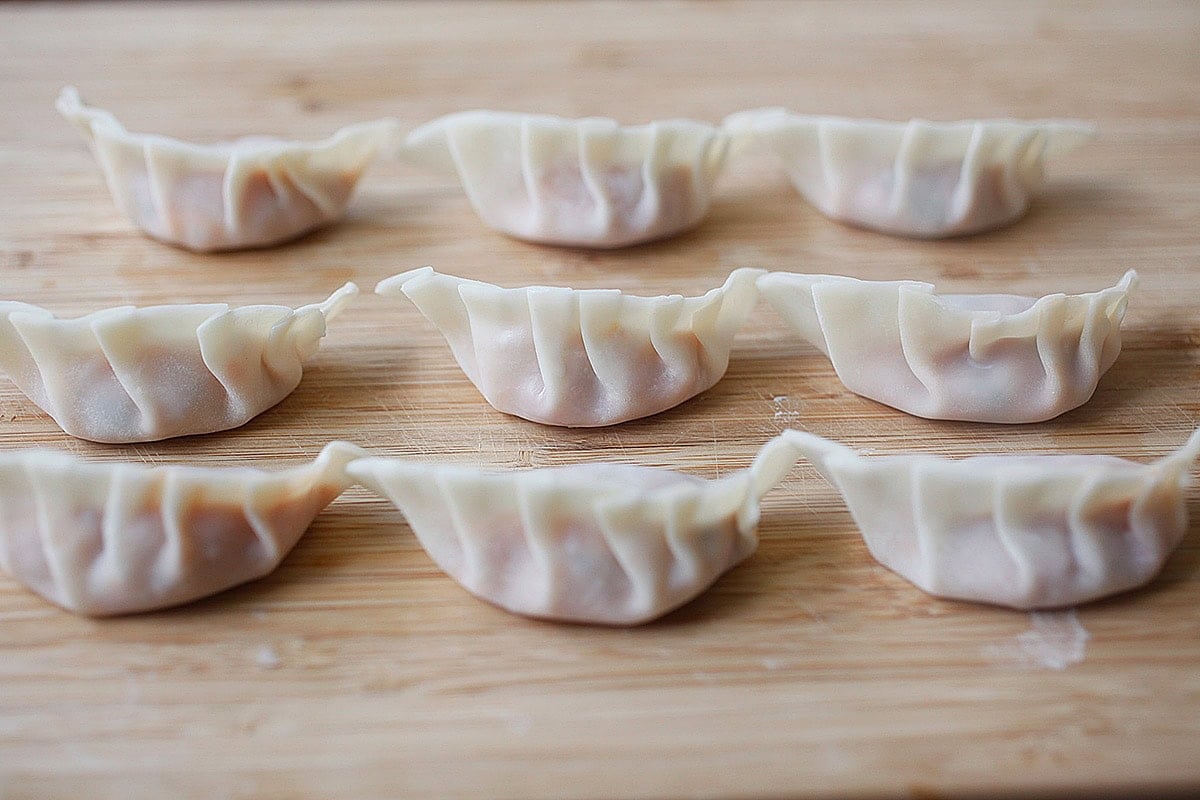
(581, 182)
(598, 543)
(140, 374)
(582, 357)
(105, 539)
(1026, 531)
(920, 179)
(253, 192)
(979, 358)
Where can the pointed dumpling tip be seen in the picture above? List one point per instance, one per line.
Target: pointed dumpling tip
(1185, 456)
(395, 284)
(773, 461)
(814, 448)
(379, 473)
(335, 457)
(743, 275)
(332, 305)
(69, 101)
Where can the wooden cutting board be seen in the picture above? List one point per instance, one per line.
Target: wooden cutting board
(358, 669)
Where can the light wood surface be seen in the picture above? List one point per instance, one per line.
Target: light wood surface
(358, 669)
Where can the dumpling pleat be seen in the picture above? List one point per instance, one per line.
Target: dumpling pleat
(46, 504)
(563, 361)
(667, 328)
(474, 564)
(1022, 534)
(586, 141)
(112, 565)
(903, 165)
(1054, 337)
(829, 172)
(160, 219)
(924, 379)
(529, 177)
(1095, 328)
(926, 526)
(631, 546)
(233, 192)
(621, 527)
(685, 520)
(24, 550)
(170, 566)
(267, 533)
(1152, 537)
(969, 175)
(651, 204)
(289, 179)
(539, 540)
(1091, 547)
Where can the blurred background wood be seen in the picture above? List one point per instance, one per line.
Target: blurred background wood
(357, 669)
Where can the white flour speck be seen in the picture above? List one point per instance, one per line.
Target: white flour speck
(785, 408)
(1055, 640)
(266, 657)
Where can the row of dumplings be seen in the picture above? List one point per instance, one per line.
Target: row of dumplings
(580, 182)
(595, 543)
(574, 357)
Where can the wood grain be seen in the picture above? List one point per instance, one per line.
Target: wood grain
(357, 669)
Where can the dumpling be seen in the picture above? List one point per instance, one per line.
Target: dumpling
(140, 374)
(105, 539)
(920, 179)
(582, 357)
(254, 192)
(979, 358)
(579, 182)
(1026, 531)
(598, 543)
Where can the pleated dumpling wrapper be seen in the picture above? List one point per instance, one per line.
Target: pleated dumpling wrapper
(119, 538)
(920, 179)
(253, 192)
(132, 374)
(611, 544)
(1025, 531)
(578, 182)
(582, 357)
(977, 358)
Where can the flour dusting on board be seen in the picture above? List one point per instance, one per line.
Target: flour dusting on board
(1055, 640)
(785, 408)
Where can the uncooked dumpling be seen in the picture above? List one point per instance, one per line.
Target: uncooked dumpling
(581, 182)
(1026, 531)
(582, 357)
(105, 539)
(140, 374)
(978, 358)
(921, 179)
(253, 192)
(599, 543)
